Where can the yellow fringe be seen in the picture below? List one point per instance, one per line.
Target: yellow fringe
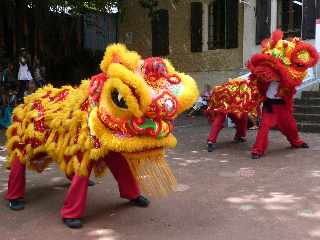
(153, 175)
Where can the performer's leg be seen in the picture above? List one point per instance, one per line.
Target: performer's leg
(16, 185)
(90, 182)
(288, 126)
(268, 121)
(241, 123)
(119, 167)
(22, 89)
(75, 201)
(128, 186)
(216, 126)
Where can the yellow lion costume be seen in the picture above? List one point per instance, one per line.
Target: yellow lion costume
(128, 109)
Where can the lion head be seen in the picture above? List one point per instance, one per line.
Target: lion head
(135, 101)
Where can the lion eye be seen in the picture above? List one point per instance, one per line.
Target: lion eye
(118, 99)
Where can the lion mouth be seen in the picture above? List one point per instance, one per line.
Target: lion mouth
(150, 127)
(144, 126)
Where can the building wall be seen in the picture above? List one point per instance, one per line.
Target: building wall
(135, 31)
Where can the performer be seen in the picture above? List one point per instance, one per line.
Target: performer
(217, 123)
(234, 99)
(278, 70)
(121, 119)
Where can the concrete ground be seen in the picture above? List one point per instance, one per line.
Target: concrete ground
(223, 195)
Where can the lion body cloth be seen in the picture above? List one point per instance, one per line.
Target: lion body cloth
(128, 108)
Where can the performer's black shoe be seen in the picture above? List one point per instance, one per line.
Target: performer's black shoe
(255, 156)
(91, 183)
(304, 145)
(16, 204)
(211, 146)
(140, 201)
(239, 140)
(72, 222)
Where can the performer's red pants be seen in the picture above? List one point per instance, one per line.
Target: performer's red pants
(241, 123)
(74, 204)
(282, 118)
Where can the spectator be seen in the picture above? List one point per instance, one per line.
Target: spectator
(2, 101)
(32, 88)
(5, 121)
(38, 73)
(9, 79)
(1, 74)
(24, 75)
(202, 101)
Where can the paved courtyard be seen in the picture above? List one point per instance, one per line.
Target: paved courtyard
(223, 195)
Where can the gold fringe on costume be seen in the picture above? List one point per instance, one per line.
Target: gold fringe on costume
(153, 174)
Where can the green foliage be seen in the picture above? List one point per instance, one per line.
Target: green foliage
(83, 6)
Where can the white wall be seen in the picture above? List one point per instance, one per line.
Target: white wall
(249, 31)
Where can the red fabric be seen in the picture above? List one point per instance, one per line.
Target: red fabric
(75, 201)
(128, 187)
(17, 181)
(281, 117)
(218, 121)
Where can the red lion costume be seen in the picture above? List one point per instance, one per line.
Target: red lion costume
(234, 99)
(277, 71)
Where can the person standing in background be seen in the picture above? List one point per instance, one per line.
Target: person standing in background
(38, 73)
(9, 77)
(24, 74)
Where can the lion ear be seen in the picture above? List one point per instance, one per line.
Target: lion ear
(118, 53)
(277, 35)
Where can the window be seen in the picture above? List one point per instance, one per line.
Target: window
(290, 17)
(219, 30)
(223, 24)
(297, 18)
(160, 33)
(216, 24)
(196, 26)
(263, 18)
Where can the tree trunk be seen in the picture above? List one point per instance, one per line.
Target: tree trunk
(20, 31)
(40, 21)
